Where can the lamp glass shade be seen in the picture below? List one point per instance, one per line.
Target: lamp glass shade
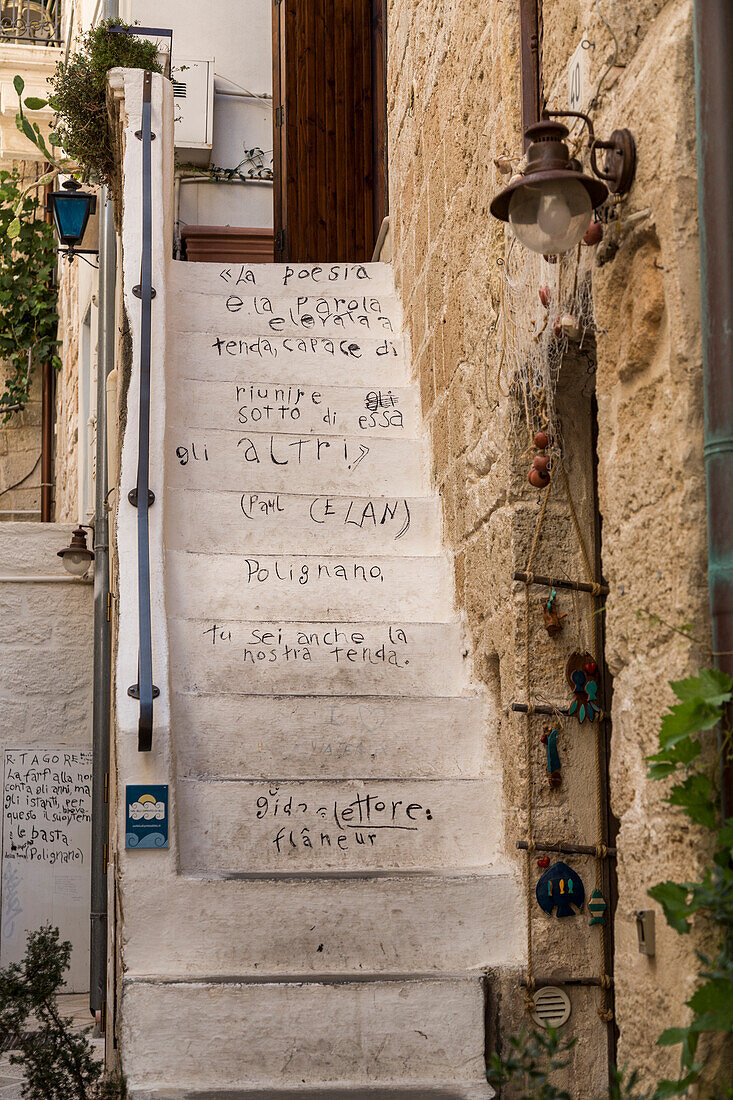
(550, 215)
(77, 562)
(70, 215)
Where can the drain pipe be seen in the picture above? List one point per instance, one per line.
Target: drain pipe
(713, 21)
(102, 629)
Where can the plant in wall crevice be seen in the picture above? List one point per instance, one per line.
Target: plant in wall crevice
(28, 317)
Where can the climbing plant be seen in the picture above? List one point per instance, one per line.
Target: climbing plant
(28, 317)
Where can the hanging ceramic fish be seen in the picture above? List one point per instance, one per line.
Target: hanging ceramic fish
(560, 887)
(549, 740)
(597, 907)
(553, 618)
(582, 672)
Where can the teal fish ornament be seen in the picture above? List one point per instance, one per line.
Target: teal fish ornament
(597, 908)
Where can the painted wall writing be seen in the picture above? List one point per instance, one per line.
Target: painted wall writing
(46, 838)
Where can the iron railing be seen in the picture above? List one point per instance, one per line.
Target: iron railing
(34, 21)
(141, 497)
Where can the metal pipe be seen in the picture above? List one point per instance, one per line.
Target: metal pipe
(47, 416)
(43, 578)
(713, 29)
(102, 634)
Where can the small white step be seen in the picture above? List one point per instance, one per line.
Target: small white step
(421, 1090)
(351, 825)
(309, 587)
(214, 1036)
(259, 406)
(331, 737)
(353, 360)
(306, 658)
(295, 463)
(238, 312)
(206, 278)
(280, 926)
(274, 523)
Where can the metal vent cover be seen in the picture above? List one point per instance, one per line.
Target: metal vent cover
(179, 89)
(551, 1007)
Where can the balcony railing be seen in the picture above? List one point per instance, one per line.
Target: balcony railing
(34, 21)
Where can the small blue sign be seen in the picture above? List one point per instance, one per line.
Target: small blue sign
(146, 816)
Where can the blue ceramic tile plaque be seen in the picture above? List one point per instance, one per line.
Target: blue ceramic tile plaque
(146, 816)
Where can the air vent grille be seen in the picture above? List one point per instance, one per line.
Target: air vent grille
(179, 89)
(551, 1006)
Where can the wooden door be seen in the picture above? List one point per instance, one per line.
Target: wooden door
(329, 129)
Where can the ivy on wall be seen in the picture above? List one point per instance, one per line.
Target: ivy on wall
(28, 317)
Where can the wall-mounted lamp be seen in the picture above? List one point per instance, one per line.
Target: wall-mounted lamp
(77, 557)
(71, 208)
(550, 205)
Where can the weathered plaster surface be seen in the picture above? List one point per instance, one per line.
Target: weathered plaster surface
(453, 107)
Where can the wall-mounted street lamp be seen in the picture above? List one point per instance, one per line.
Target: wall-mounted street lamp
(550, 205)
(71, 208)
(77, 557)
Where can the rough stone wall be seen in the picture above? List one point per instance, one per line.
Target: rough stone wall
(66, 490)
(454, 105)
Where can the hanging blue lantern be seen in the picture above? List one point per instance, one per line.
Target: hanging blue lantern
(560, 887)
(71, 208)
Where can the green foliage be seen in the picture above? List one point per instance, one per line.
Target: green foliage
(79, 98)
(59, 1064)
(701, 708)
(28, 318)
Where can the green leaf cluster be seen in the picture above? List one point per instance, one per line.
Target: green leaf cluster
(28, 317)
(59, 1063)
(700, 709)
(79, 99)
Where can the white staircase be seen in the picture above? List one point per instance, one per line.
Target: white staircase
(336, 891)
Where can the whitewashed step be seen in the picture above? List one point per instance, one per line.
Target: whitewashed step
(259, 406)
(350, 825)
(316, 360)
(238, 312)
(281, 926)
(309, 587)
(373, 1033)
(327, 736)
(259, 522)
(306, 658)
(421, 1090)
(217, 279)
(281, 463)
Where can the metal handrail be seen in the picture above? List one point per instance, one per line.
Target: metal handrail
(36, 21)
(141, 497)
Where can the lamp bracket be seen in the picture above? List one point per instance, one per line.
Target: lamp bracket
(132, 497)
(620, 164)
(134, 691)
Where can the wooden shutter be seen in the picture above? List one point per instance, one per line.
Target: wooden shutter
(326, 59)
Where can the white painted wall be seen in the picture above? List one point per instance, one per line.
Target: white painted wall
(45, 702)
(237, 35)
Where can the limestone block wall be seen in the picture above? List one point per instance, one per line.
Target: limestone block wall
(454, 106)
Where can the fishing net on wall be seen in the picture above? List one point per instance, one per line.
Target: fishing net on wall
(545, 308)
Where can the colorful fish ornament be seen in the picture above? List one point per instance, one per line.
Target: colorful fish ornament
(597, 907)
(560, 887)
(582, 671)
(549, 740)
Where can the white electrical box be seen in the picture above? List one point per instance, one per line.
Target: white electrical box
(193, 104)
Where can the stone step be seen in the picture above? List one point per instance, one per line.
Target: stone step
(239, 312)
(277, 1036)
(429, 1090)
(331, 737)
(280, 926)
(279, 463)
(218, 279)
(309, 587)
(256, 522)
(316, 360)
(335, 826)
(276, 407)
(307, 658)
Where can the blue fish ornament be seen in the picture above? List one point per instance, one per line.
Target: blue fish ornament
(560, 888)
